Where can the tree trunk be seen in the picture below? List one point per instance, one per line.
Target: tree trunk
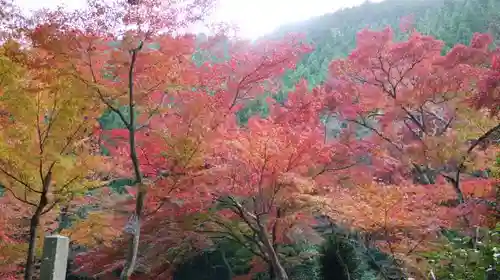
(133, 249)
(35, 222)
(277, 269)
(30, 260)
(133, 243)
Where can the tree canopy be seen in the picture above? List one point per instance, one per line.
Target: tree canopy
(365, 149)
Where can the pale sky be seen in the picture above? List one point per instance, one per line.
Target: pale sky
(253, 17)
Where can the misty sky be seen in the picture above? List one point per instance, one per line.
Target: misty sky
(254, 17)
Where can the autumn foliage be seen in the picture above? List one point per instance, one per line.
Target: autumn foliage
(176, 145)
(415, 102)
(195, 174)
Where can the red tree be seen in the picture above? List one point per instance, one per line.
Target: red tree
(124, 74)
(191, 116)
(269, 175)
(414, 93)
(414, 101)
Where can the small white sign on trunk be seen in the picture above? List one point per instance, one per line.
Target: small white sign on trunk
(132, 224)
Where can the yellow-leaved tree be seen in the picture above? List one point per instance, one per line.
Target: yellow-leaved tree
(46, 159)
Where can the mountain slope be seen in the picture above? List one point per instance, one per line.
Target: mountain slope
(334, 35)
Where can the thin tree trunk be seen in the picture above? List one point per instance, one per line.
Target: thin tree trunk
(267, 246)
(30, 260)
(34, 223)
(277, 269)
(133, 243)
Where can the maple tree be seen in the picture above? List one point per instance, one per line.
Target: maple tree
(268, 175)
(46, 122)
(415, 102)
(133, 67)
(173, 145)
(385, 79)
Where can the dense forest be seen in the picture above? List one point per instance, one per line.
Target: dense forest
(358, 145)
(334, 35)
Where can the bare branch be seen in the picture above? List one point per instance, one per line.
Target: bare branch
(20, 199)
(25, 184)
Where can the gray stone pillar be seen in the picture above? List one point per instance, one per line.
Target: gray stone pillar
(55, 258)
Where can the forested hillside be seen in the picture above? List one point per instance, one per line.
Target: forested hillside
(334, 35)
(364, 149)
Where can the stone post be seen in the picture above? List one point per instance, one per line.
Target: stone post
(55, 258)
